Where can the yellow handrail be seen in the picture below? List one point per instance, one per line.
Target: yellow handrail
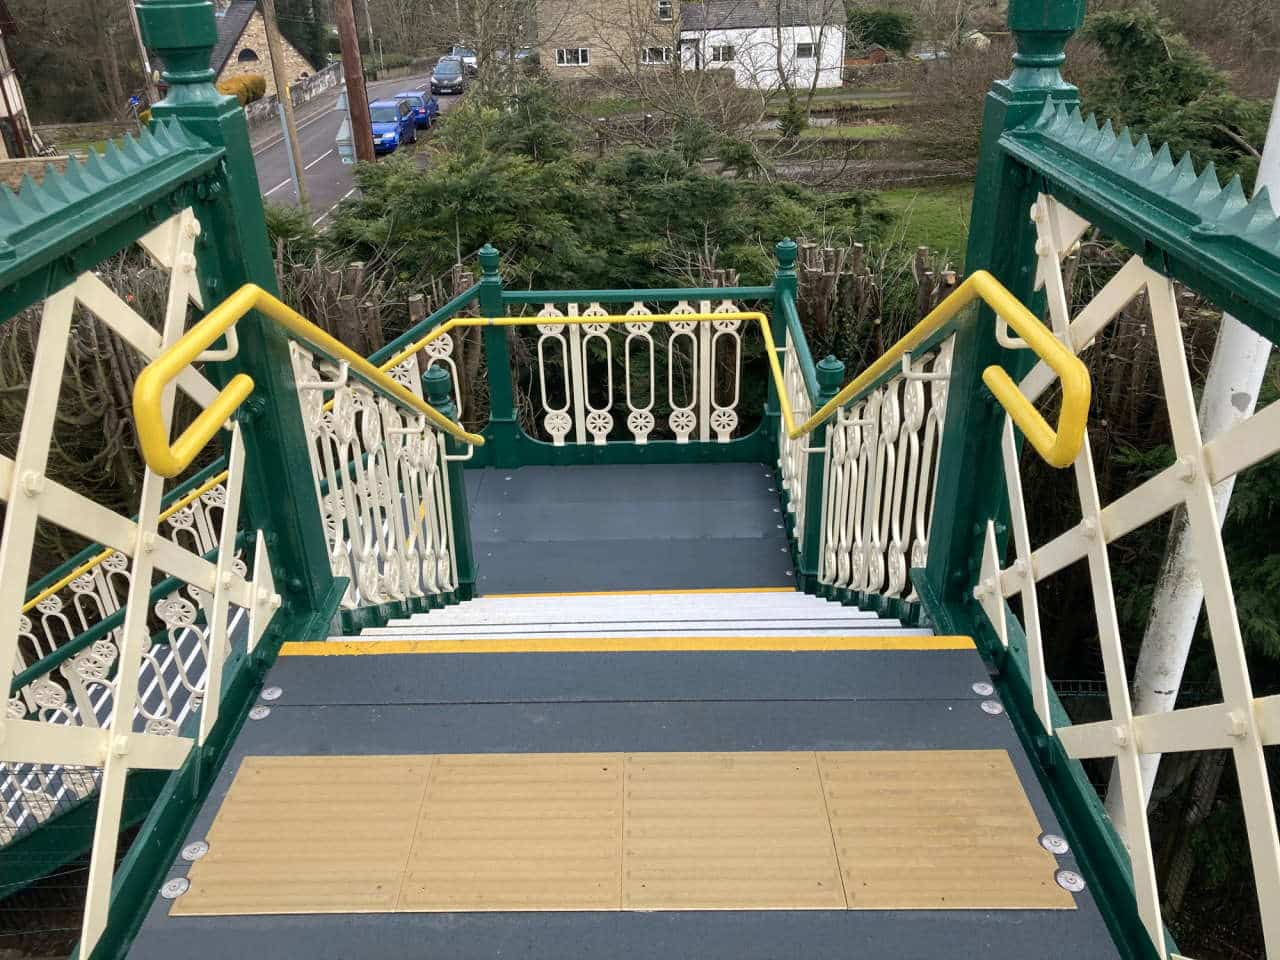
(171, 459)
(1058, 447)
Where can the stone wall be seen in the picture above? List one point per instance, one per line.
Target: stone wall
(12, 171)
(253, 42)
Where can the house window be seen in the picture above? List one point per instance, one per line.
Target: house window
(247, 55)
(722, 54)
(655, 55)
(666, 10)
(804, 51)
(573, 57)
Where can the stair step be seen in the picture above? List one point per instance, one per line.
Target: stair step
(573, 625)
(635, 607)
(881, 628)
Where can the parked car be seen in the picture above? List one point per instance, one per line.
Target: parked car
(467, 56)
(448, 76)
(424, 106)
(393, 124)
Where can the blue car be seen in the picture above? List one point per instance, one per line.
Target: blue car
(393, 124)
(425, 107)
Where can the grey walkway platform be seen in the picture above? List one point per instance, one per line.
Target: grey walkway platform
(609, 528)
(475, 703)
(540, 529)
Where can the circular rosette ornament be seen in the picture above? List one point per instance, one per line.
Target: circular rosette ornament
(640, 422)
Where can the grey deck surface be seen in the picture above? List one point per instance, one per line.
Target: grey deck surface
(627, 528)
(563, 529)
(475, 703)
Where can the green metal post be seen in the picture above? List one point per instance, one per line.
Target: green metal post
(830, 380)
(279, 497)
(439, 388)
(1001, 240)
(784, 285)
(502, 434)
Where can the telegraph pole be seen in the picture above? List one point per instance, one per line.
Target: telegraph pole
(285, 101)
(153, 92)
(353, 71)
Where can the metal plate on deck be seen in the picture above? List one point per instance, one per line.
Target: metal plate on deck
(928, 829)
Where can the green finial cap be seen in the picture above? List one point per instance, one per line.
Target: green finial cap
(489, 259)
(785, 251)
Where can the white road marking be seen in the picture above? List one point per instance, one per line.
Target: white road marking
(282, 183)
(316, 221)
(317, 160)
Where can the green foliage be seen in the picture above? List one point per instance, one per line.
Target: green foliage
(302, 23)
(1159, 85)
(793, 119)
(289, 229)
(892, 29)
(636, 218)
(532, 124)
(246, 88)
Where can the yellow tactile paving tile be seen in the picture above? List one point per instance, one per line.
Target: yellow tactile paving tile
(309, 835)
(518, 832)
(929, 829)
(936, 830)
(727, 831)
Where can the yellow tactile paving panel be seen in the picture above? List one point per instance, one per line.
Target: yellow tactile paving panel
(727, 831)
(936, 830)
(310, 835)
(641, 831)
(531, 832)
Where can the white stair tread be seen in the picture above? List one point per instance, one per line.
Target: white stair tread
(726, 626)
(635, 607)
(883, 628)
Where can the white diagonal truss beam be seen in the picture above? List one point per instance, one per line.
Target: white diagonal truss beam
(1240, 723)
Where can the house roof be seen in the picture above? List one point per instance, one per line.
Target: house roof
(745, 14)
(231, 24)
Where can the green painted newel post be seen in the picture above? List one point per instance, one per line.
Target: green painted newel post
(439, 387)
(502, 434)
(830, 380)
(279, 496)
(784, 285)
(1001, 240)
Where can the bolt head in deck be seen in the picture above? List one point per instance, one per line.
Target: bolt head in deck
(175, 887)
(992, 707)
(259, 712)
(1055, 844)
(194, 851)
(272, 693)
(983, 689)
(1069, 880)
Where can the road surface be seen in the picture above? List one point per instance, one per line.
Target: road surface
(328, 178)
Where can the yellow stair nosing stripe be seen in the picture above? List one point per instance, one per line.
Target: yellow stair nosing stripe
(633, 593)
(341, 648)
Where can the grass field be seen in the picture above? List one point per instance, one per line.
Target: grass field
(937, 217)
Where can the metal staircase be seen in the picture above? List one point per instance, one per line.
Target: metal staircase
(694, 615)
(287, 631)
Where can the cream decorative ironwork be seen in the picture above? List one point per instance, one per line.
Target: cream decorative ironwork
(380, 481)
(79, 726)
(1241, 723)
(80, 691)
(577, 388)
(879, 477)
(793, 459)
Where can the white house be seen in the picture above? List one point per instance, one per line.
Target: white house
(762, 41)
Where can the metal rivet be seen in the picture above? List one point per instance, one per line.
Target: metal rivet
(259, 712)
(983, 689)
(1069, 880)
(175, 887)
(272, 693)
(1055, 844)
(194, 851)
(992, 707)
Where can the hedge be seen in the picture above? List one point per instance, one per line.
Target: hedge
(246, 88)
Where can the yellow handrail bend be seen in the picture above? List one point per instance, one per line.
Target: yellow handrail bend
(171, 459)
